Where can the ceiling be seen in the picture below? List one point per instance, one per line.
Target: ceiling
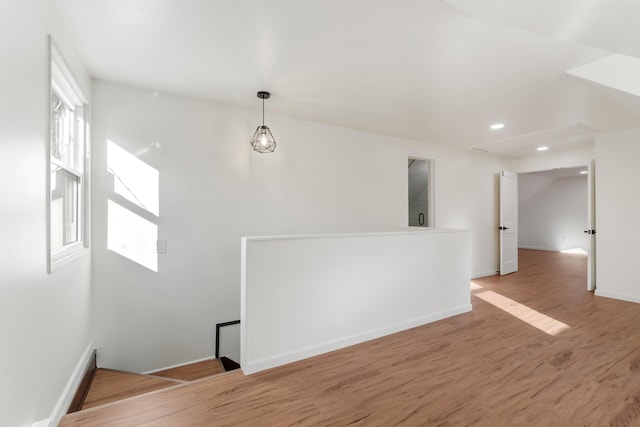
(431, 70)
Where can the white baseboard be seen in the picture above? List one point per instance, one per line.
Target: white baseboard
(69, 390)
(177, 366)
(539, 248)
(615, 295)
(272, 362)
(484, 274)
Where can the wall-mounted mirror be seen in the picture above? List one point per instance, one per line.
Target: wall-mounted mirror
(420, 192)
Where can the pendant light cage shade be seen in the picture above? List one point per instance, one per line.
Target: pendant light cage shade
(263, 141)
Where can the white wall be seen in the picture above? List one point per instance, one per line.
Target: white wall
(617, 207)
(44, 319)
(552, 212)
(307, 295)
(214, 189)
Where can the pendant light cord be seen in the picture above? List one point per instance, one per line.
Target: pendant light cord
(262, 111)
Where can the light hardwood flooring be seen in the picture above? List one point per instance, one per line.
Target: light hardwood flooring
(193, 371)
(109, 385)
(579, 365)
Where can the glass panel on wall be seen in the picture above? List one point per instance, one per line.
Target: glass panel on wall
(61, 130)
(64, 208)
(420, 172)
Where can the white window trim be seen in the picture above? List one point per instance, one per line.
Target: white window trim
(63, 82)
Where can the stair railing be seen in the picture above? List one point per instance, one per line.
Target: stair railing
(218, 326)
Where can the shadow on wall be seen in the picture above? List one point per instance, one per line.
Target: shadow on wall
(132, 229)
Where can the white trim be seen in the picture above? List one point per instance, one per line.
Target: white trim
(178, 365)
(71, 170)
(315, 350)
(614, 295)
(484, 274)
(63, 77)
(62, 90)
(66, 256)
(86, 177)
(61, 80)
(539, 248)
(408, 231)
(69, 390)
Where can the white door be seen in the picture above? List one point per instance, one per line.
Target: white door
(508, 222)
(591, 227)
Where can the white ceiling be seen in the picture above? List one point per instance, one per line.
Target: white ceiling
(430, 70)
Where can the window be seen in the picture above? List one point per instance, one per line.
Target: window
(420, 192)
(68, 157)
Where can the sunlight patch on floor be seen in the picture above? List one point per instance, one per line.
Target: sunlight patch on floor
(575, 251)
(534, 318)
(475, 286)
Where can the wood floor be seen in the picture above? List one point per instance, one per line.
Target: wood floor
(552, 354)
(109, 385)
(193, 371)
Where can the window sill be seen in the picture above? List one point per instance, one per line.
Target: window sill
(67, 256)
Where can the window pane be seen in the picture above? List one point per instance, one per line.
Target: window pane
(64, 207)
(61, 131)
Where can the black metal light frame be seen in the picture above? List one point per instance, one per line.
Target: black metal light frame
(263, 140)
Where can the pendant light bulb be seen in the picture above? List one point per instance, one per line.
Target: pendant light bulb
(263, 140)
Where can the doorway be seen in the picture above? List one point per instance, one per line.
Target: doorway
(555, 211)
(420, 194)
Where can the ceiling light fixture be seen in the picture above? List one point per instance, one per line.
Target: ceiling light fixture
(262, 140)
(542, 148)
(497, 126)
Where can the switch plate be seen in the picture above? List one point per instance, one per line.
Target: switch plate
(159, 246)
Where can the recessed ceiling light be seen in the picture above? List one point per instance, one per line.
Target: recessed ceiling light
(542, 148)
(583, 172)
(497, 126)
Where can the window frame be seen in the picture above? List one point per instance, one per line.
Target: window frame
(64, 85)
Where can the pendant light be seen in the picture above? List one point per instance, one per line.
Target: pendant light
(262, 140)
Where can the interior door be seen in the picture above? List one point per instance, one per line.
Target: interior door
(591, 227)
(508, 222)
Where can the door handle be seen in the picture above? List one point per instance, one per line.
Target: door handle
(501, 228)
(421, 218)
(590, 231)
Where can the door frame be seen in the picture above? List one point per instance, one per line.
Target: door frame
(591, 226)
(590, 166)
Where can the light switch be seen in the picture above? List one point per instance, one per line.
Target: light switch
(159, 246)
